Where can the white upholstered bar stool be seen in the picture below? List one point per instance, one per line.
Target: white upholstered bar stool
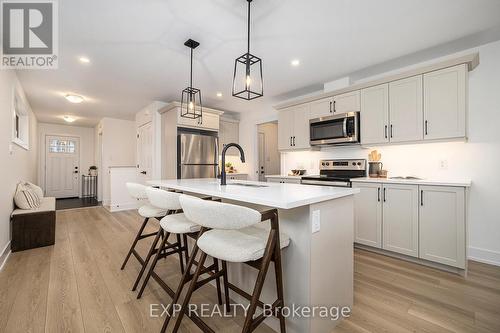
(233, 233)
(174, 224)
(147, 211)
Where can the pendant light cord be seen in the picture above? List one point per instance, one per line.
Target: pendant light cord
(191, 73)
(248, 35)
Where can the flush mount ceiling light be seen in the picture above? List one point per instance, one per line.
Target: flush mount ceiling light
(219, 94)
(191, 97)
(295, 62)
(247, 78)
(69, 119)
(84, 60)
(76, 99)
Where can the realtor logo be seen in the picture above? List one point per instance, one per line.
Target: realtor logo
(29, 34)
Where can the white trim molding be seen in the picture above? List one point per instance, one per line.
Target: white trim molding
(5, 255)
(484, 256)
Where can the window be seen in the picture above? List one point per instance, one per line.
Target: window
(20, 120)
(62, 146)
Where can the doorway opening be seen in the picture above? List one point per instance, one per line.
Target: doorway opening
(269, 157)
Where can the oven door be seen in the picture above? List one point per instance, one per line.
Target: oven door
(339, 129)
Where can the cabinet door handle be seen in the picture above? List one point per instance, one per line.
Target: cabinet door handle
(334, 106)
(421, 197)
(290, 141)
(391, 130)
(294, 141)
(384, 195)
(378, 194)
(426, 127)
(385, 130)
(331, 107)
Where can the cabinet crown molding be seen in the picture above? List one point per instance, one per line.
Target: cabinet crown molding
(472, 61)
(176, 105)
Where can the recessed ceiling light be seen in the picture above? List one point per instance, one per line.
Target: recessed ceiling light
(69, 119)
(295, 62)
(219, 94)
(74, 98)
(84, 60)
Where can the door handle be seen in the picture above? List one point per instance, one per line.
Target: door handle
(378, 194)
(391, 130)
(290, 141)
(421, 197)
(143, 172)
(426, 127)
(334, 106)
(384, 195)
(294, 141)
(385, 129)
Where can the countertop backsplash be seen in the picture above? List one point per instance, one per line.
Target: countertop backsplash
(449, 160)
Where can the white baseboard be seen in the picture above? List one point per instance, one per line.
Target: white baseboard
(4, 255)
(484, 256)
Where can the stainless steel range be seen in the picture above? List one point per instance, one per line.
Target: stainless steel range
(337, 173)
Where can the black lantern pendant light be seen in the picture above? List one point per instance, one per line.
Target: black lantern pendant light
(191, 97)
(247, 79)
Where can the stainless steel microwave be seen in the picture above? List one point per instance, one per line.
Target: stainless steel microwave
(340, 129)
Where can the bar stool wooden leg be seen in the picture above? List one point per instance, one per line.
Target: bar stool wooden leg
(181, 260)
(279, 285)
(152, 267)
(268, 255)
(190, 291)
(186, 249)
(217, 281)
(137, 237)
(226, 286)
(148, 257)
(185, 278)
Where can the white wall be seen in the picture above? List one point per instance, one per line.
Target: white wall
(87, 146)
(16, 165)
(477, 160)
(118, 149)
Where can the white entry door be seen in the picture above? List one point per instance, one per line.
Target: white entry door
(62, 166)
(144, 153)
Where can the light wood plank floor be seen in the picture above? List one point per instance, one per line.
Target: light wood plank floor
(77, 286)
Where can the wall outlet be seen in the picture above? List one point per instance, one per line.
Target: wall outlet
(316, 221)
(443, 164)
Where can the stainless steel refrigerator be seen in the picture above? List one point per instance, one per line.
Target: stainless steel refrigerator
(197, 154)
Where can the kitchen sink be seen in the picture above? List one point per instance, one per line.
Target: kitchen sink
(248, 185)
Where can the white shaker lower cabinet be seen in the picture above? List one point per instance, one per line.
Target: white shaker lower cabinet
(445, 100)
(368, 216)
(442, 225)
(400, 219)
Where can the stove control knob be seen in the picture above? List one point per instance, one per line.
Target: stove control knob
(359, 163)
(327, 163)
(323, 163)
(354, 163)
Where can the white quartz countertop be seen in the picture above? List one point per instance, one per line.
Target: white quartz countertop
(283, 176)
(284, 196)
(434, 182)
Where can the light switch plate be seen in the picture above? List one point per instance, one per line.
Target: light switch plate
(316, 221)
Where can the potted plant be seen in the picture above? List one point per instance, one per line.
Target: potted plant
(93, 170)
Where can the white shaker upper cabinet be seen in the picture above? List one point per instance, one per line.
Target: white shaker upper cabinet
(442, 225)
(285, 129)
(445, 98)
(375, 114)
(321, 108)
(400, 219)
(406, 110)
(368, 214)
(348, 102)
(301, 127)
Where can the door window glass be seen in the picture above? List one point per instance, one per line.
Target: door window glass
(62, 146)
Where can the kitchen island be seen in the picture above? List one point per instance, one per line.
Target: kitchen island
(318, 263)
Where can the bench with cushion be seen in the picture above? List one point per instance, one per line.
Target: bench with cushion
(35, 227)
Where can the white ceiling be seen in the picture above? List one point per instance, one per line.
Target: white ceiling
(137, 52)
